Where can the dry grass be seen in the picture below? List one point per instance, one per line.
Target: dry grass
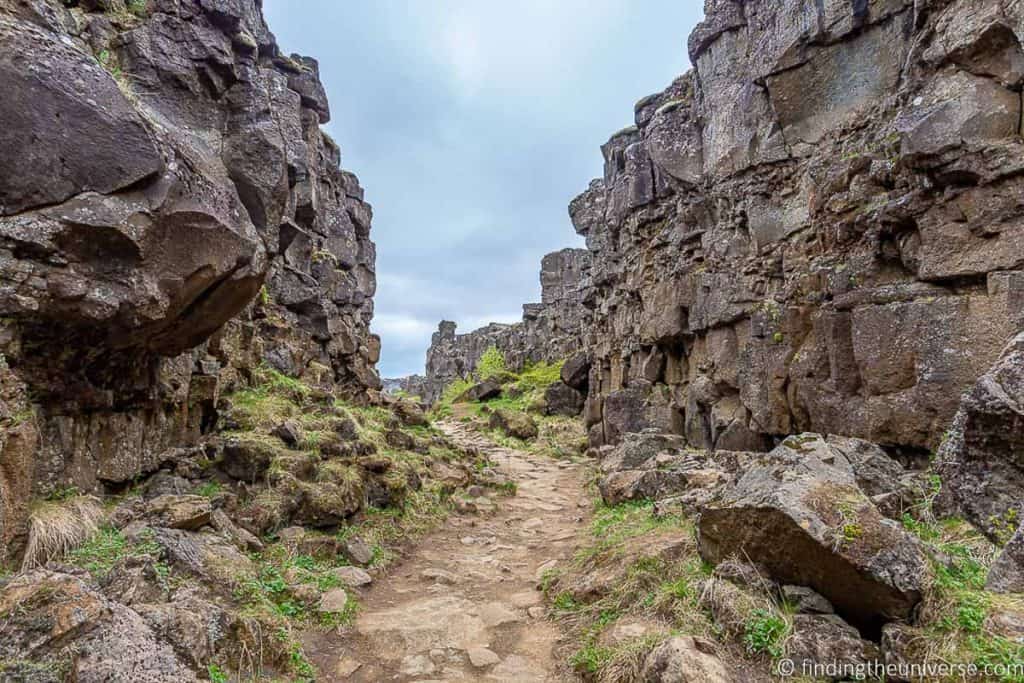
(58, 527)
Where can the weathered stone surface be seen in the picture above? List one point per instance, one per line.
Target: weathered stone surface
(353, 577)
(409, 413)
(514, 423)
(289, 431)
(576, 372)
(1007, 572)
(357, 551)
(685, 659)
(981, 461)
(799, 512)
(821, 640)
(180, 512)
(561, 399)
(58, 619)
(656, 484)
(171, 218)
(333, 600)
(815, 229)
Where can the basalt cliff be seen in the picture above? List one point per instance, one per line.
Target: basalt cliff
(172, 217)
(816, 229)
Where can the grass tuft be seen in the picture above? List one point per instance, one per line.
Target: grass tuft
(58, 527)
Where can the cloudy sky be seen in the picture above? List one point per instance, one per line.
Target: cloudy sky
(472, 124)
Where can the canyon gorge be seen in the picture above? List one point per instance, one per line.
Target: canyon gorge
(772, 412)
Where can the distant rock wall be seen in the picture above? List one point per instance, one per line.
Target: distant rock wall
(171, 216)
(549, 331)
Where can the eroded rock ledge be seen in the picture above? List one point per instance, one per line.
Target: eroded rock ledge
(171, 217)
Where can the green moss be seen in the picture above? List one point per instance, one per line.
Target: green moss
(209, 489)
(140, 8)
(1005, 525)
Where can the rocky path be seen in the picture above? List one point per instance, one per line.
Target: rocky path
(463, 604)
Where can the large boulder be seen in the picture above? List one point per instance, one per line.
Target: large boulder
(981, 461)
(576, 371)
(821, 640)
(799, 512)
(514, 423)
(481, 391)
(561, 399)
(654, 484)
(685, 659)
(652, 465)
(188, 512)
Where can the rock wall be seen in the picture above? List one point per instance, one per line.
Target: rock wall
(171, 216)
(550, 330)
(818, 228)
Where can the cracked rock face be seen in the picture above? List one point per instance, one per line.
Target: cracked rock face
(171, 216)
(812, 230)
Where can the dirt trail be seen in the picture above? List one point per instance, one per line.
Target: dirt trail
(463, 605)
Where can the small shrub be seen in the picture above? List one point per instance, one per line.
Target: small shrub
(491, 364)
(216, 674)
(764, 633)
(590, 658)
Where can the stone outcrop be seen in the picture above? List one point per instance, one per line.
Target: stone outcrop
(817, 228)
(550, 330)
(981, 461)
(171, 217)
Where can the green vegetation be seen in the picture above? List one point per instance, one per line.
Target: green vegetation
(491, 364)
(591, 658)
(613, 525)
(137, 7)
(764, 633)
(216, 674)
(646, 581)
(521, 390)
(108, 546)
(210, 489)
(956, 618)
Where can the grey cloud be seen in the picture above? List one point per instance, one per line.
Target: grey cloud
(471, 125)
